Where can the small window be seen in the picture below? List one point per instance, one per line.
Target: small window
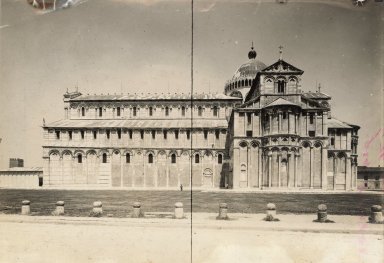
(217, 134)
(100, 111)
(176, 135)
(365, 184)
(284, 115)
(119, 134)
(127, 158)
(57, 134)
(104, 158)
(82, 133)
(249, 118)
(130, 134)
(70, 135)
(215, 111)
(311, 119)
(365, 177)
(94, 135)
(197, 158)
(79, 158)
(108, 132)
(249, 133)
(173, 158)
(281, 86)
(150, 111)
(205, 135)
(82, 111)
(166, 111)
(142, 135)
(165, 134)
(150, 158)
(134, 111)
(118, 111)
(311, 133)
(188, 135)
(183, 111)
(153, 134)
(332, 141)
(200, 111)
(219, 159)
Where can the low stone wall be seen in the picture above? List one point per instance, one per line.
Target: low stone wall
(19, 180)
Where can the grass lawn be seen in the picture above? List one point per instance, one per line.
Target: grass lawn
(119, 203)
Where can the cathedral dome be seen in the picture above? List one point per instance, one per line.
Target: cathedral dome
(242, 80)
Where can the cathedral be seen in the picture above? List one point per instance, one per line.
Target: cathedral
(264, 132)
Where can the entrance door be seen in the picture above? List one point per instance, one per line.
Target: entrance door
(207, 177)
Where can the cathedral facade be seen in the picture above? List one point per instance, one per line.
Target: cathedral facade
(264, 132)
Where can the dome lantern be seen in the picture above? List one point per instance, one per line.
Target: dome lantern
(252, 53)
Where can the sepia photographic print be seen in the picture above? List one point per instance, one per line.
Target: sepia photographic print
(191, 131)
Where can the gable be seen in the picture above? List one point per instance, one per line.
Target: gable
(282, 67)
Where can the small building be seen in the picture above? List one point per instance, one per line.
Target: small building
(370, 178)
(16, 162)
(21, 177)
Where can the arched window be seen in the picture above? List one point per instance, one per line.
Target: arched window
(173, 158)
(150, 111)
(242, 83)
(220, 159)
(128, 158)
(150, 158)
(197, 158)
(166, 111)
(281, 86)
(134, 111)
(79, 158)
(246, 82)
(100, 111)
(104, 158)
(183, 111)
(215, 111)
(200, 111)
(82, 111)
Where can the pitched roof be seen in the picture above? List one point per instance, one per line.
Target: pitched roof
(335, 123)
(155, 96)
(140, 123)
(280, 101)
(316, 95)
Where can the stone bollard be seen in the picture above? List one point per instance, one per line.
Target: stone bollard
(322, 213)
(59, 208)
(136, 210)
(97, 210)
(376, 214)
(271, 210)
(25, 207)
(179, 211)
(223, 212)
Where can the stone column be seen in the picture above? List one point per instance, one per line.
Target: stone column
(223, 212)
(288, 169)
(289, 121)
(121, 167)
(249, 165)
(295, 170)
(236, 170)
(335, 170)
(348, 173)
(279, 169)
(279, 124)
(269, 170)
(311, 166)
(25, 207)
(270, 124)
(260, 167)
(167, 168)
(324, 162)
